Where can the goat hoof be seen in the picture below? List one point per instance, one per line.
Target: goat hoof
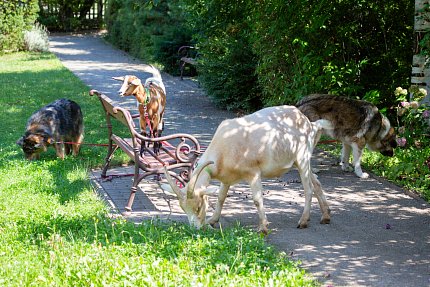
(212, 223)
(325, 221)
(264, 231)
(302, 226)
(209, 226)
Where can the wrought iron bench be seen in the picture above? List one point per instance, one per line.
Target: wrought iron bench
(188, 55)
(178, 152)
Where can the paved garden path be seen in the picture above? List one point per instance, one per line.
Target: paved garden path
(356, 249)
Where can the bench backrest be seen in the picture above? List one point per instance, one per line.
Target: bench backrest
(117, 112)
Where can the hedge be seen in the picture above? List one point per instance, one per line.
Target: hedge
(271, 52)
(15, 18)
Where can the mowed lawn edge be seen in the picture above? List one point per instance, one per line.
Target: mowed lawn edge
(55, 231)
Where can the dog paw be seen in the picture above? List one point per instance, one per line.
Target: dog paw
(363, 175)
(360, 173)
(346, 167)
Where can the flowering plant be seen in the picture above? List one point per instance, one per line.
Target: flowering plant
(413, 117)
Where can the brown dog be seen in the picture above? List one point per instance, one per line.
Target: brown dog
(54, 124)
(356, 123)
(152, 101)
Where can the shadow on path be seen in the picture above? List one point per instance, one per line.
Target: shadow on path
(379, 235)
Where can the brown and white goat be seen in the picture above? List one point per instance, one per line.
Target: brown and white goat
(151, 98)
(264, 144)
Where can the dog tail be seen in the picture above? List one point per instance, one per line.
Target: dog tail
(317, 128)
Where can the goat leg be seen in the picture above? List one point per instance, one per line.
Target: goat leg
(257, 196)
(222, 194)
(317, 189)
(142, 144)
(307, 186)
(157, 144)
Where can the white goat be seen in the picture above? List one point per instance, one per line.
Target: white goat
(264, 144)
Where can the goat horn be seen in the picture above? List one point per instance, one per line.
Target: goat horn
(191, 185)
(174, 187)
(118, 78)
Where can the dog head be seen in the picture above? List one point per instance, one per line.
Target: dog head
(385, 141)
(129, 85)
(33, 144)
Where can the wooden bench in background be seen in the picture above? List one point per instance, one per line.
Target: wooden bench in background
(178, 152)
(188, 55)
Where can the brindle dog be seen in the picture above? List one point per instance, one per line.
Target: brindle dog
(356, 124)
(54, 124)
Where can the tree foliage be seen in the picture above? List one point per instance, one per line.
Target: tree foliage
(68, 15)
(152, 31)
(15, 18)
(270, 52)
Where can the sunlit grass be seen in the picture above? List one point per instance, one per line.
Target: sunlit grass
(54, 231)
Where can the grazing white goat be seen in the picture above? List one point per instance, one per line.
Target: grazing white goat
(264, 144)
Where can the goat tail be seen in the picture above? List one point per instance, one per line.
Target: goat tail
(317, 128)
(322, 124)
(154, 71)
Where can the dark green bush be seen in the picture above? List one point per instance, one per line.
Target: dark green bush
(150, 32)
(227, 62)
(271, 52)
(69, 15)
(342, 47)
(15, 18)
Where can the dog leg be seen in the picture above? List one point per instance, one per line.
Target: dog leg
(344, 159)
(59, 149)
(67, 148)
(357, 152)
(76, 147)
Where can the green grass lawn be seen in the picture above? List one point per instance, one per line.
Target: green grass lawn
(54, 231)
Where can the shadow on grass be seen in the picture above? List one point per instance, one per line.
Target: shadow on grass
(158, 239)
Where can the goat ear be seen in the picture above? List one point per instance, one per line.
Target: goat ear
(172, 187)
(136, 82)
(118, 79)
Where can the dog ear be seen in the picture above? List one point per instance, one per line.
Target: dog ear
(136, 82)
(50, 140)
(20, 141)
(118, 79)
(36, 138)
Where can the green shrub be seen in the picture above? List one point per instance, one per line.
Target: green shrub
(341, 47)
(15, 18)
(149, 32)
(36, 39)
(410, 165)
(71, 15)
(272, 52)
(226, 66)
